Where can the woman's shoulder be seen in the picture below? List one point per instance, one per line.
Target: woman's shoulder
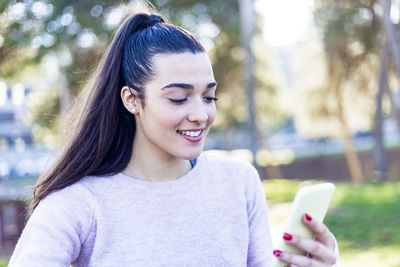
(79, 194)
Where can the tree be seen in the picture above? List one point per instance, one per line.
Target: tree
(80, 30)
(247, 29)
(380, 165)
(394, 47)
(366, 26)
(349, 30)
(72, 32)
(390, 34)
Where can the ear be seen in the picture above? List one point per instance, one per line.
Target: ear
(130, 99)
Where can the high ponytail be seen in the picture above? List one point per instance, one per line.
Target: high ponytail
(102, 142)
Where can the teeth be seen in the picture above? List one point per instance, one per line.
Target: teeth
(191, 133)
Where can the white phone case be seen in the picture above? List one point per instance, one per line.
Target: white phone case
(312, 199)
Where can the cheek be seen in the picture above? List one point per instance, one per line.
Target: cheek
(167, 118)
(212, 113)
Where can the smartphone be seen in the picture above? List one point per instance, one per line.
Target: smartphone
(311, 199)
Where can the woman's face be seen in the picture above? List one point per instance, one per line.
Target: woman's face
(179, 106)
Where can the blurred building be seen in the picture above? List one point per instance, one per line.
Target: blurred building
(19, 156)
(16, 161)
(13, 132)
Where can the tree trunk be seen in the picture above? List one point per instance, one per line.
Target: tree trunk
(247, 29)
(380, 164)
(395, 111)
(394, 47)
(391, 35)
(353, 162)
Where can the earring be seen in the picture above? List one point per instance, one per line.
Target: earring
(133, 111)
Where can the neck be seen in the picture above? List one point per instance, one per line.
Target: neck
(155, 167)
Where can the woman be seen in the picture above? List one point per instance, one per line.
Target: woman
(132, 187)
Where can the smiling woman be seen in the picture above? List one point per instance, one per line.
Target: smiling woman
(177, 116)
(132, 186)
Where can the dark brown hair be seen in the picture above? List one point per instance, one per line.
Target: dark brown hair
(101, 144)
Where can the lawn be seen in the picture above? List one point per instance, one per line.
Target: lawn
(364, 218)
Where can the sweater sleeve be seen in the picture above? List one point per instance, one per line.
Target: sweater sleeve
(260, 242)
(55, 231)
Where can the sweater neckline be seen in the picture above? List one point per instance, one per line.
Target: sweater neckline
(165, 185)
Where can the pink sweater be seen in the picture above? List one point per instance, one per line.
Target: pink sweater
(215, 215)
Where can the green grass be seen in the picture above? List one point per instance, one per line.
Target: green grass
(364, 218)
(3, 263)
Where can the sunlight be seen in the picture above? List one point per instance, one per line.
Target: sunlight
(285, 22)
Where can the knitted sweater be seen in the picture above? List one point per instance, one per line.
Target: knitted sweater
(215, 215)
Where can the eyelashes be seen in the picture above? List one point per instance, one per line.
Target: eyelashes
(207, 99)
(178, 101)
(211, 98)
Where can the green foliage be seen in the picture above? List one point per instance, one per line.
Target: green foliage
(40, 28)
(351, 34)
(3, 262)
(59, 28)
(33, 30)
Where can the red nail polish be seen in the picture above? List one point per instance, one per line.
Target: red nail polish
(308, 217)
(287, 236)
(277, 253)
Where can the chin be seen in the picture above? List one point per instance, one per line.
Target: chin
(190, 155)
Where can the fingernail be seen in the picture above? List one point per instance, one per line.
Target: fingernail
(287, 236)
(308, 217)
(277, 253)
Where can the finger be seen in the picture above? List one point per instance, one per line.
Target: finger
(320, 230)
(297, 259)
(317, 249)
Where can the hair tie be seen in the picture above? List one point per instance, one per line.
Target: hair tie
(154, 19)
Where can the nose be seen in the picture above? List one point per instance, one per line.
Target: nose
(198, 112)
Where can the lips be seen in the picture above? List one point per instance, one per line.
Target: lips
(193, 135)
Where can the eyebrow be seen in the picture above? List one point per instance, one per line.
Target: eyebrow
(187, 86)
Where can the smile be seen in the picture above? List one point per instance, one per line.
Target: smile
(190, 133)
(193, 136)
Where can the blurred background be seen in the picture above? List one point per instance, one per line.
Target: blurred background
(309, 91)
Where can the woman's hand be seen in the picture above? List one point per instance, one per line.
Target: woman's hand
(321, 249)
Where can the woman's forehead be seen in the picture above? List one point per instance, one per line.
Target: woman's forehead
(182, 64)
